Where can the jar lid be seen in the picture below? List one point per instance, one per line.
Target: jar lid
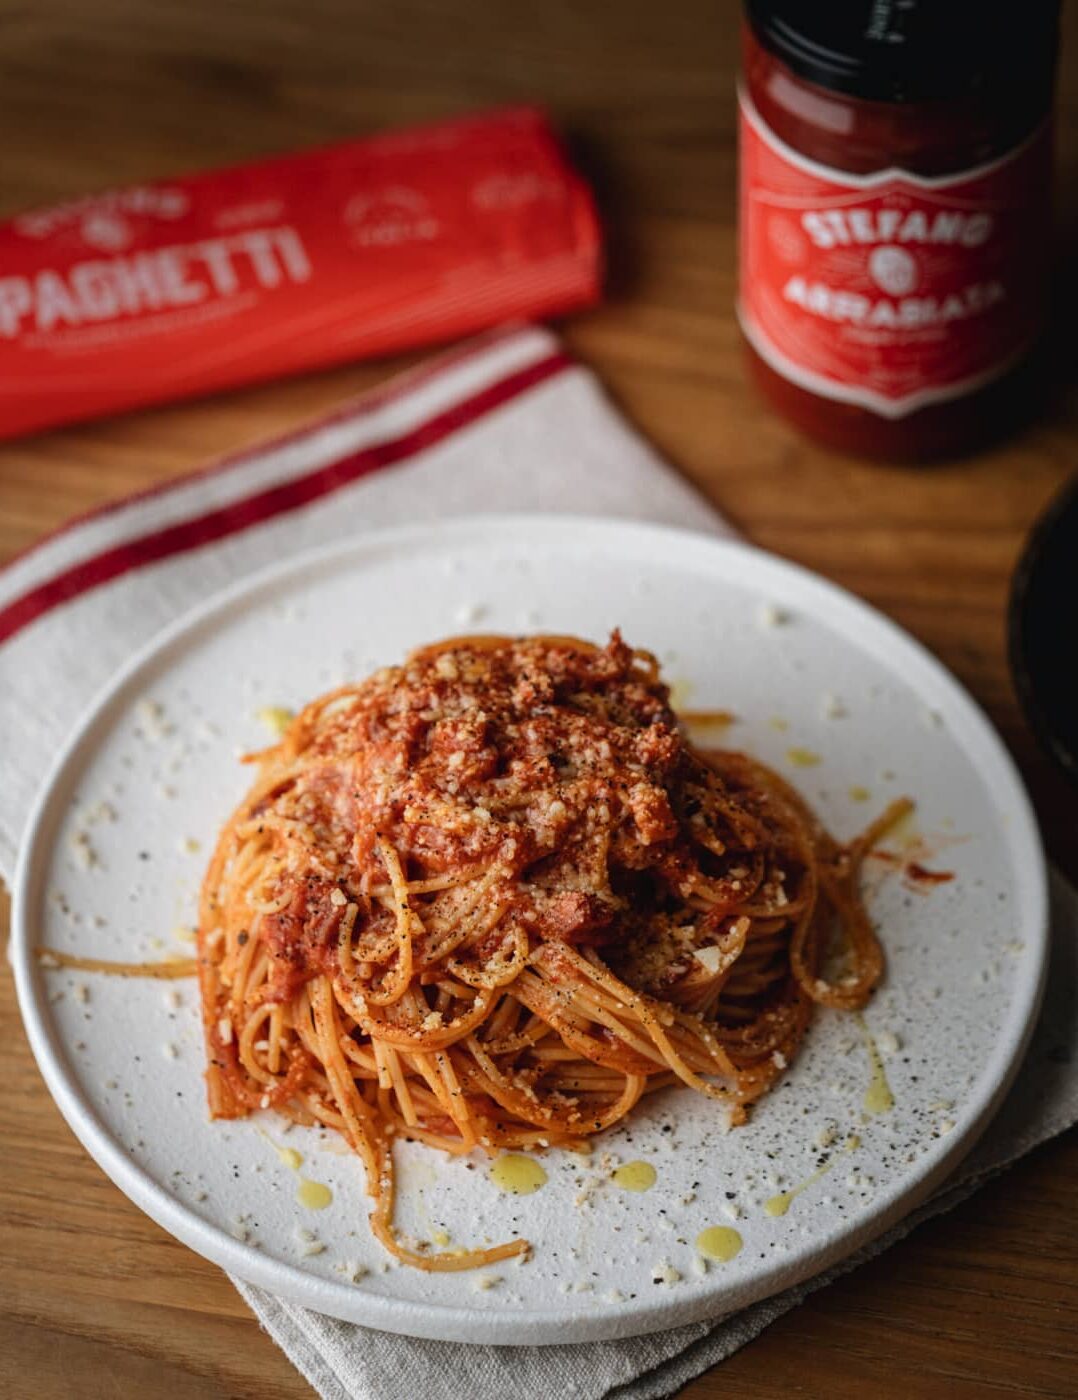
(911, 50)
(1043, 625)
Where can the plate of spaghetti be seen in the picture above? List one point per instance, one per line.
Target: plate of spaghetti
(530, 930)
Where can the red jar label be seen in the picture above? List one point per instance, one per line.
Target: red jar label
(891, 290)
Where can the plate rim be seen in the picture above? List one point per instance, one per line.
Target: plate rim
(439, 1321)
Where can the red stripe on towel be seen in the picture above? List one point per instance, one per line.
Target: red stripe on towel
(264, 505)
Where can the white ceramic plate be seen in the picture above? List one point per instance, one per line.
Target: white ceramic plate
(115, 850)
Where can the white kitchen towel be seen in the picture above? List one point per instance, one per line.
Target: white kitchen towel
(508, 422)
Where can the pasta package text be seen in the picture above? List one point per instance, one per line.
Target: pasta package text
(163, 291)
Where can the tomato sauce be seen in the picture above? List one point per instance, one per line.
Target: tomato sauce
(895, 217)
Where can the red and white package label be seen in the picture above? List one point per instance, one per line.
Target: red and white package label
(225, 277)
(890, 290)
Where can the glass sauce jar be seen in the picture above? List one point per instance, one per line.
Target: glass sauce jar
(894, 218)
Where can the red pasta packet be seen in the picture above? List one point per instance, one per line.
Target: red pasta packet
(208, 281)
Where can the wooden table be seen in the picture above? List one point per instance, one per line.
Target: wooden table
(95, 1300)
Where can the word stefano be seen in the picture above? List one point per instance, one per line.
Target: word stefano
(833, 228)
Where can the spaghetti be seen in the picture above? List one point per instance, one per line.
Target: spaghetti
(167, 971)
(492, 897)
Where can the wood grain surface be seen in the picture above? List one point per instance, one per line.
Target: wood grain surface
(95, 1300)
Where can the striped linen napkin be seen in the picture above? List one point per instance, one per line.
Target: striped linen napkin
(506, 423)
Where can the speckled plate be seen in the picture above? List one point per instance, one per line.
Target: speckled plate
(824, 688)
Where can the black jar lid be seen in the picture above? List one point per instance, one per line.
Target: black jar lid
(1044, 630)
(912, 50)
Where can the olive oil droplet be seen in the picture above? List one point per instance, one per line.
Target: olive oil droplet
(780, 1204)
(517, 1174)
(719, 1242)
(878, 1096)
(313, 1194)
(635, 1176)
